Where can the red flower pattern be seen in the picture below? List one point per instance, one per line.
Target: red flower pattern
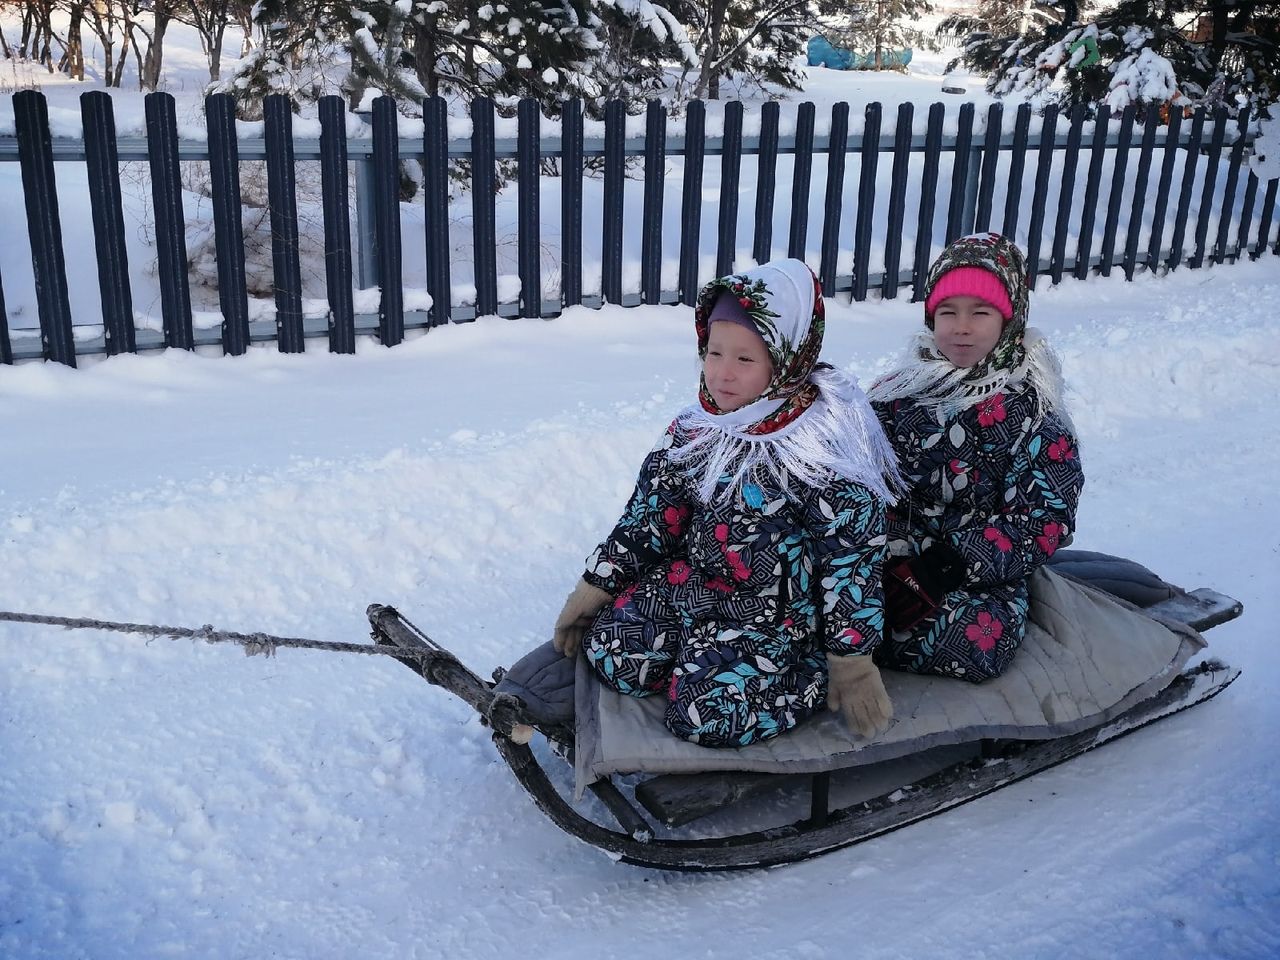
(1061, 449)
(1048, 539)
(1002, 543)
(675, 518)
(678, 573)
(991, 411)
(985, 632)
(740, 570)
(622, 599)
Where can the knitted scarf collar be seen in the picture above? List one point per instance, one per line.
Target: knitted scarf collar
(812, 422)
(1020, 360)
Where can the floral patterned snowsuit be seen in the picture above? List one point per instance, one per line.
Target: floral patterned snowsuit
(728, 610)
(1000, 485)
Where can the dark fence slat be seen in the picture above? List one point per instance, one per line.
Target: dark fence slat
(990, 162)
(1184, 194)
(337, 224)
(103, 171)
(1044, 165)
(228, 230)
(730, 170)
(615, 119)
(1246, 215)
(960, 173)
(928, 199)
(1017, 162)
(6, 348)
(1116, 198)
(386, 191)
(897, 198)
(1207, 190)
(870, 159)
(1093, 181)
(801, 175)
(484, 197)
(1233, 179)
(1264, 224)
(832, 208)
(1058, 255)
(570, 203)
(529, 129)
(39, 187)
(171, 236)
(695, 120)
(286, 267)
(435, 195)
(766, 182)
(1150, 122)
(1163, 188)
(655, 162)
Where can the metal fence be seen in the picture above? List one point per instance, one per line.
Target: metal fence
(979, 161)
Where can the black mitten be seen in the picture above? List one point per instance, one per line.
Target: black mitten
(914, 588)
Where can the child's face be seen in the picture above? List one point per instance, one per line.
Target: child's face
(966, 328)
(737, 367)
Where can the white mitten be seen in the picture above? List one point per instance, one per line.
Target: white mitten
(854, 688)
(575, 619)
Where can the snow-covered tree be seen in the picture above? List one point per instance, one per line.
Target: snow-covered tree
(752, 41)
(880, 28)
(999, 18)
(550, 50)
(1140, 51)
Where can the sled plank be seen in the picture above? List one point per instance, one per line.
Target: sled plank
(1199, 609)
(903, 806)
(680, 798)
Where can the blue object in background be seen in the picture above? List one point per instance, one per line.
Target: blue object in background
(822, 54)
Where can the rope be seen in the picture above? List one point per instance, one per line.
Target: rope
(254, 644)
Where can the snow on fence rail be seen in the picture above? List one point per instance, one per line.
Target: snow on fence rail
(984, 167)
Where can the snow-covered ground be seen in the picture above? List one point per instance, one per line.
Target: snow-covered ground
(179, 799)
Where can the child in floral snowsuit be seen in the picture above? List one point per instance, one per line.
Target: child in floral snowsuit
(976, 419)
(742, 582)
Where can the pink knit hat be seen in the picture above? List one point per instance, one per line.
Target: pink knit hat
(970, 282)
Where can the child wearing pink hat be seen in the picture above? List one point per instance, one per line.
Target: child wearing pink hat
(742, 582)
(976, 417)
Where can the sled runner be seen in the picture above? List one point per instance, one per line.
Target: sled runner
(1105, 654)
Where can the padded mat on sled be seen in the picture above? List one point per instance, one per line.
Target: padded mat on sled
(1087, 656)
(1123, 578)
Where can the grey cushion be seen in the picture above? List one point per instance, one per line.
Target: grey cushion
(1122, 578)
(1087, 657)
(543, 679)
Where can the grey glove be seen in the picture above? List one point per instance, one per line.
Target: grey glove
(854, 688)
(575, 619)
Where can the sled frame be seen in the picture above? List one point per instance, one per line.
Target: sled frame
(1001, 763)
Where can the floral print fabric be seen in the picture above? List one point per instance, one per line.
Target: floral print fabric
(999, 484)
(728, 610)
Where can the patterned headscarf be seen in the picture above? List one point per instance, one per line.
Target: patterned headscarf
(1020, 356)
(811, 423)
(784, 300)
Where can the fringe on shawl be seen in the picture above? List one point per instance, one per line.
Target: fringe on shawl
(932, 380)
(838, 436)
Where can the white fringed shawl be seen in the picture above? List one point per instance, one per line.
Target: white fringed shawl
(932, 380)
(838, 436)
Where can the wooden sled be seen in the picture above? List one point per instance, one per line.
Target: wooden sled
(674, 800)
